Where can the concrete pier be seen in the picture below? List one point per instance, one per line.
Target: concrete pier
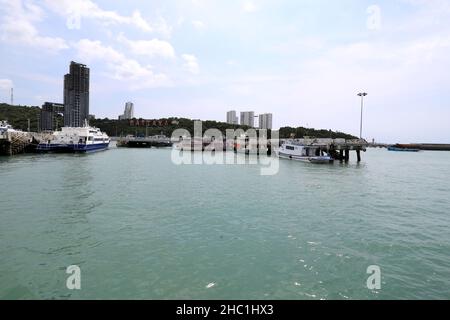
(339, 149)
(17, 142)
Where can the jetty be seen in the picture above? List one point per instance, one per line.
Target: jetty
(158, 141)
(339, 149)
(424, 146)
(16, 142)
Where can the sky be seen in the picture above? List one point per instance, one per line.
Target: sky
(302, 60)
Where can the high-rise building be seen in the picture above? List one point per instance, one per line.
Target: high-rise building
(76, 95)
(265, 121)
(128, 112)
(48, 116)
(232, 118)
(248, 118)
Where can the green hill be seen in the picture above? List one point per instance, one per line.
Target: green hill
(18, 117)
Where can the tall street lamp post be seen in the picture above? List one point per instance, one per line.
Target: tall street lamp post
(362, 95)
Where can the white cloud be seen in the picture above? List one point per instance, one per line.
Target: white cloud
(90, 10)
(150, 48)
(121, 67)
(199, 25)
(191, 63)
(249, 7)
(6, 84)
(18, 26)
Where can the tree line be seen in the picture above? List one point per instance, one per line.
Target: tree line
(18, 117)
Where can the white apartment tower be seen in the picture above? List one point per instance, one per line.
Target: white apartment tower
(232, 118)
(265, 121)
(128, 112)
(248, 118)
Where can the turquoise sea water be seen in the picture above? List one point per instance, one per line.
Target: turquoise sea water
(140, 227)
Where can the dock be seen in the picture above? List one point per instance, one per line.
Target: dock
(425, 146)
(159, 141)
(16, 142)
(339, 149)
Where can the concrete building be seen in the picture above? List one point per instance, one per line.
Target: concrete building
(76, 95)
(232, 118)
(48, 116)
(265, 121)
(128, 113)
(248, 118)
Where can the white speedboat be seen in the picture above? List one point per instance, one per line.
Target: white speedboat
(6, 127)
(307, 153)
(76, 139)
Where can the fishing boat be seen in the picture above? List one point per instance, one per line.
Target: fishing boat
(306, 153)
(76, 140)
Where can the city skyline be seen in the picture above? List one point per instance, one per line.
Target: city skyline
(306, 60)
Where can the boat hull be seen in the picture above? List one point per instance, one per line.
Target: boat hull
(316, 160)
(402, 149)
(72, 148)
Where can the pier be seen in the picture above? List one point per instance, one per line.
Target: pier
(159, 141)
(17, 142)
(338, 149)
(425, 146)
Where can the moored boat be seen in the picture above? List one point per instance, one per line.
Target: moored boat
(76, 140)
(6, 127)
(306, 153)
(401, 149)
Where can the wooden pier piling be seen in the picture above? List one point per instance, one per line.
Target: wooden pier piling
(347, 155)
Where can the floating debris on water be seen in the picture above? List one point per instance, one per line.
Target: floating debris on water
(210, 285)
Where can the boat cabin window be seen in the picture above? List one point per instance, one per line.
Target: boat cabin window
(290, 148)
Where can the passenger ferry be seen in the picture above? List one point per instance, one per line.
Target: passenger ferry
(307, 153)
(76, 139)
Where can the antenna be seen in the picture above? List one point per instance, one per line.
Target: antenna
(12, 96)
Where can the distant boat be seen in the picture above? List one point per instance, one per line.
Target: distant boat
(394, 148)
(76, 140)
(305, 153)
(145, 142)
(5, 127)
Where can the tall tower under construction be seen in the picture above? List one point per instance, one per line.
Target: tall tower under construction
(76, 95)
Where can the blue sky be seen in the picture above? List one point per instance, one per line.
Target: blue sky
(302, 60)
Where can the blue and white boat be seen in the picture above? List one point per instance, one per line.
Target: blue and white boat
(401, 149)
(75, 140)
(306, 153)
